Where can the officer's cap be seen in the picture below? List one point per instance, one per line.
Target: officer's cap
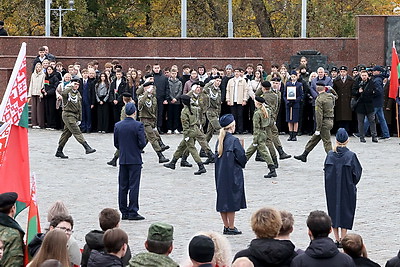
(266, 84)
(343, 68)
(148, 84)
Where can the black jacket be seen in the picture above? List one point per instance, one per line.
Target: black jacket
(365, 262)
(116, 93)
(322, 252)
(102, 259)
(162, 86)
(94, 241)
(394, 262)
(35, 244)
(51, 85)
(365, 104)
(269, 252)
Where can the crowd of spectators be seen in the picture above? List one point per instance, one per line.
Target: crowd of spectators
(102, 88)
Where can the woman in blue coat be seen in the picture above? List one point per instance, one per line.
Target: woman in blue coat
(342, 173)
(229, 180)
(293, 95)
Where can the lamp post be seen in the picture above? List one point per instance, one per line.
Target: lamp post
(230, 22)
(183, 18)
(61, 11)
(303, 18)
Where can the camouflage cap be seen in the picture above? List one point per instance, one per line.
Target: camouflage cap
(160, 232)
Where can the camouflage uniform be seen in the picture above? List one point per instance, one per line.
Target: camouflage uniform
(72, 113)
(147, 105)
(12, 236)
(260, 125)
(200, 101)
(213, 108)
(324, 114)
(152, 259)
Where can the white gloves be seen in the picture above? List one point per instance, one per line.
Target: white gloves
(317, 132)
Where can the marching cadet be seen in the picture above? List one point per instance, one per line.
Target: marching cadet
(272, 101)
(148, 116)
(71, 116)
(191, 129)
(213, 105)
(324, 115)
(261, 120)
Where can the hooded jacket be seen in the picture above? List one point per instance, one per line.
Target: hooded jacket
(104, 260)
(322, 252)
(268, 252)
(94, 241)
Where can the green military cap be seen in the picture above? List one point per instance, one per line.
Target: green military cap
(8, 199)
(160, 232)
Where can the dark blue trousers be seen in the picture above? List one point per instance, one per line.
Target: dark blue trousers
(86, 123)
(129, 181)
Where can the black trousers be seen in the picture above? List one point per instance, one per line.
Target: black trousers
(103, 117)
(128, 184)
(50, 111)
(174, 116)
(237, 112)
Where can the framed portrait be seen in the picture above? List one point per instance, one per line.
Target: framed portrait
(291, 93)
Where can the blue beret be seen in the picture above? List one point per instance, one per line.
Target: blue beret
(226, 119)
(341, 135)
(293, 72)
(130, 108)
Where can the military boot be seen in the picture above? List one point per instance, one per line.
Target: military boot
(201, 169)
(202, 153)
(88, 149)
(171, 164)
(276, 164)
(282, 154)
(374, 139)
(60, 153)
(272, 172)
(302, 157)
(162, 145)
(185, 163)
(113, 162)
(259, 158)
(210, 159)
(161, 158)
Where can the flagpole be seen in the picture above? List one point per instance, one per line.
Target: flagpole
(397, 119)
(14, 74)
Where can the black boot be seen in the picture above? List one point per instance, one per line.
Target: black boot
(259, 158)
(282, 154)
(185, 163)
(161, 158)
(210, 159)
(171, 164)
(290, 136)
(60, 153)
(294, 134)
(88, 149)
(202, 153)
(302, 157)
(275, 160)
(201, 169)
(374, 139)
(272, 172)
(163, 146)
(113, 162)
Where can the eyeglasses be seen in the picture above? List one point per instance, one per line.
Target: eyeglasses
(66, 230)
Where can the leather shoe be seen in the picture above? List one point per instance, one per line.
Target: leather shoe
(124, 217)
(233, 231)
(136, 218)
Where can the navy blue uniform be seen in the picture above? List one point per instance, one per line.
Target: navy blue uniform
(130, 140)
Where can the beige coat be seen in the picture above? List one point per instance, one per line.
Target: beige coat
(36, 84)
(242, 91)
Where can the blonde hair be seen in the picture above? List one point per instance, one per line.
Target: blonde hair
(222, 249)
(221, 137)
(266, 223)
(263, 109)
(338, 144)
(56, 209)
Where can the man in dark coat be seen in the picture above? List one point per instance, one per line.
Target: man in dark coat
(321, 251)
(343, 113)
(130, 140)
(117, 88)
(342, 173)
(162, 91)
(363, 92)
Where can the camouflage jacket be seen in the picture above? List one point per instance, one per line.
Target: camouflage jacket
(12, 236)
(150, 259)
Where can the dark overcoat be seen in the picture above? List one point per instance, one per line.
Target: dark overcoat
(343, 110)
(365, 105)
(293, 106)
(342, 173)
(229, 180)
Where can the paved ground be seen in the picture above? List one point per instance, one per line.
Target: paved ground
(86, 184)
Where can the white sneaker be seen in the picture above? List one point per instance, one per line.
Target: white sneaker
(169, 132)
(35, 127)
(176, 132)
